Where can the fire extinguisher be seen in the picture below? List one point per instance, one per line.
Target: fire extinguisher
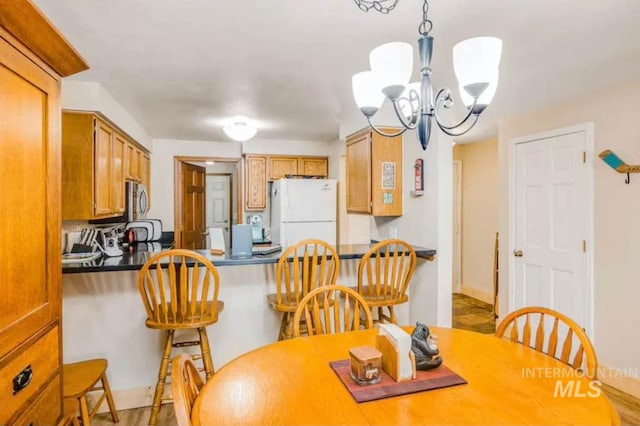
(419, 176)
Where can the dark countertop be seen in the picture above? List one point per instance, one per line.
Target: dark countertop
(134, 261)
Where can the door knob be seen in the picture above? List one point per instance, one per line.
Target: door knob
(517, 253)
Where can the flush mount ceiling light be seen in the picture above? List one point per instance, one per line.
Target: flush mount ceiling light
(475, 63)
(382, 6)
(240, 129)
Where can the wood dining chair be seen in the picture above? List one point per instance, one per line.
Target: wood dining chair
(384, 275)
(331, 309)
(303, 267)
(519, 330)
(179, 290)
(185, 387)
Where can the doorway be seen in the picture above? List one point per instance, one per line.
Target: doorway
(221, 200)
(551, 212)
(219, 187)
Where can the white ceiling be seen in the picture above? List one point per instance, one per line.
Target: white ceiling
(180, 66)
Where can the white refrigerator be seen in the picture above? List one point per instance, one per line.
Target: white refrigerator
(302, 209)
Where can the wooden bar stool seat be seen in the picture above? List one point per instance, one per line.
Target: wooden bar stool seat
(179, 290)
(301, 268)
(384, 275)
(81, 378)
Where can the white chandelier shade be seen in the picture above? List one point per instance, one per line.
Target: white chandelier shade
(476, 60)
(240, 129)
(367, 91)
(392, 63)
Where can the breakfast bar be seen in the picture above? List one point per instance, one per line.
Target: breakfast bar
(105, 318)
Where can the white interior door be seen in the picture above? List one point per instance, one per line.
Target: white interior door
(553, 226)
(457, 226)
(218, 202)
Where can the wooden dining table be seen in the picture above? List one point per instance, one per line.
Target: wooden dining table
(291, 383)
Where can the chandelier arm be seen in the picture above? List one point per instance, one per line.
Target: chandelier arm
(411, 124)
(381, 133)
(439, 101)
(450, 133)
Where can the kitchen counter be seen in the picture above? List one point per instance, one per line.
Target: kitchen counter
(103, 312)
(134, 261)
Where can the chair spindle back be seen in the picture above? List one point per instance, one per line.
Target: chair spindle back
(175, 287)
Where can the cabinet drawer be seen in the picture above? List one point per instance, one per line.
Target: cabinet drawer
(46, 410)
(42, 358)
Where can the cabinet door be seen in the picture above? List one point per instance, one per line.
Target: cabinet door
(279, 167)
(145, 175)
(130, 161)
(313, 166)
(118, 153)
(30, 269)
(102, 185)
(386, 175)
(359, 173)
(256, 183)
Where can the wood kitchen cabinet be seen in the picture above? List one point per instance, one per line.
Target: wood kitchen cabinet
(255, 182)
(283, 165)
(279, 167)
(30, 290)
(97, 158)
(374, 173)
(313, 166)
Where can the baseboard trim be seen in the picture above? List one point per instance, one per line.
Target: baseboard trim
(126, 399)
(477, 294)
(616, 378)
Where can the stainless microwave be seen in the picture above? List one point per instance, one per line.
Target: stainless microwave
(136, 205)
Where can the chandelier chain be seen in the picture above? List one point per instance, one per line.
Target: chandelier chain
(426, 25)
(382, 6)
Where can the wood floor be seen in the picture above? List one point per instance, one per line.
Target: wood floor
(468, 314)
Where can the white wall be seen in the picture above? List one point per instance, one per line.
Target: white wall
(164, 151)
(614, 113)
(426, 220)
(91, 96)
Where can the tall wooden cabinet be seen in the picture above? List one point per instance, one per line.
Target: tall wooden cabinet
(97, 158)
(256, 182)
(30, 268)
(374, 173)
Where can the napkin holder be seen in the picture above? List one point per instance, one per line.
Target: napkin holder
(398, 361)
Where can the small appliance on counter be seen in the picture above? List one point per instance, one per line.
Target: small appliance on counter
(241, 241)
(257, 230)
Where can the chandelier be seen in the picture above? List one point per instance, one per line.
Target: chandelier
(475, 63)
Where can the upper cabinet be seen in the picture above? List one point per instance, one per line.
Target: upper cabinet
(374, 173)
(282, 165)
(97, 158)
(256, 182)
(263, 168)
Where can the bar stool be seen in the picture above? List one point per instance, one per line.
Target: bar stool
(80, 378)
(179, 289)
(301, 268)
(384, 274)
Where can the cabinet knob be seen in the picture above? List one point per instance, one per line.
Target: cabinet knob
(518, 253)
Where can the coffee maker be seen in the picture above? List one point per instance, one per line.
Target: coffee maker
(257, 231)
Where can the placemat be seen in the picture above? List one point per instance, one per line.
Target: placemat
(440, 377)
